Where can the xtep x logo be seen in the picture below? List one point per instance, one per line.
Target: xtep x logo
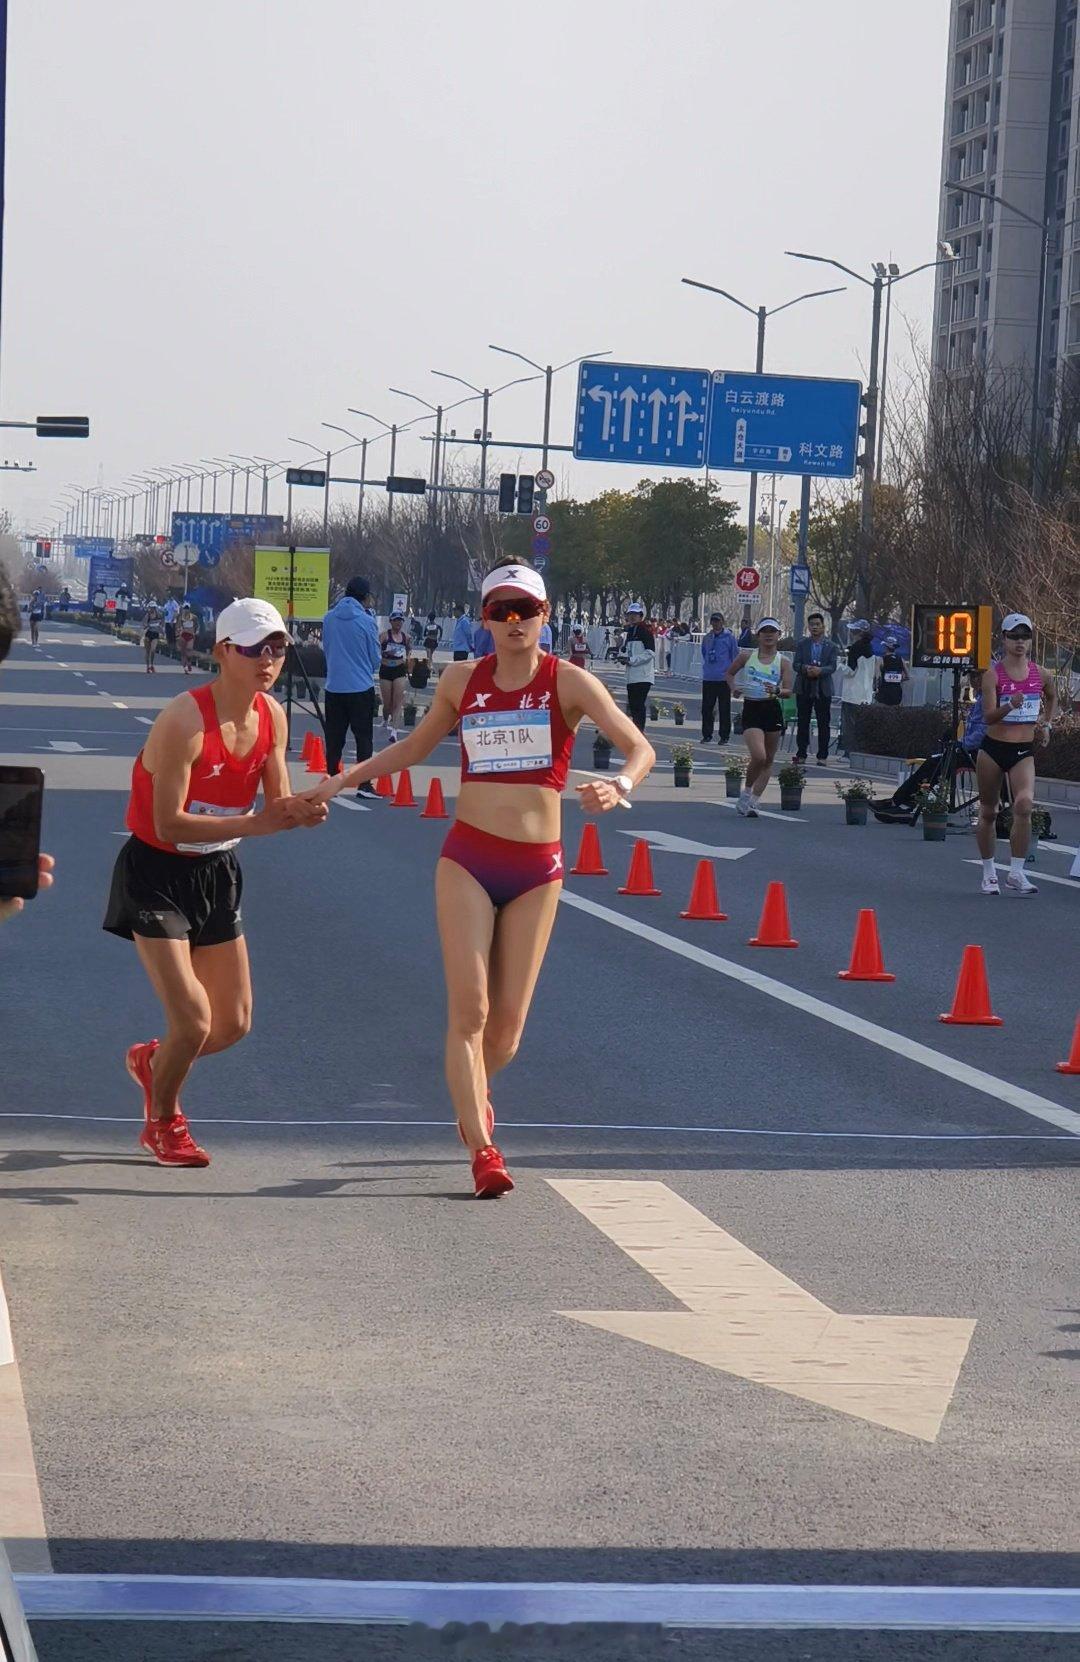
(556, 863)
(217, 770)
(480, 701)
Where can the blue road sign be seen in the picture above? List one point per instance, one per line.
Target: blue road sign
(798, 580)
(85, 548)
(107, 572)
(209, 533)
(783, 424)
(641, 413)
(252, 528)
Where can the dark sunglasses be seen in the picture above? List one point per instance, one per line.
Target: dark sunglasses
(513, 611)
(271, 648)
(1022, 634)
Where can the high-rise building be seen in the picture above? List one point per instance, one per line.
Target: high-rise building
(1011, 127)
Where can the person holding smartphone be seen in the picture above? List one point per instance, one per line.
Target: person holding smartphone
(177, 885)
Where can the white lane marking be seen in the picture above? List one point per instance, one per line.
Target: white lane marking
(683, 845)
(1035, 877)
(23, 1519)
(437, 1603)
(117, 705)
(589, 1125)
(999, 1090)
(741, 1315)
(355, 807)
(88, 681)
(764, 813)
(70, 747)
(1058, 848)
(147, 721)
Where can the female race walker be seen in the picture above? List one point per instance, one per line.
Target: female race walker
(767, 677)
(395, 655)
(498, 881)
(152, 627)
(1014, 692)
(186, 632)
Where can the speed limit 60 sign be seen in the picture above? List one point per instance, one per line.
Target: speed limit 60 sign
(748, 579)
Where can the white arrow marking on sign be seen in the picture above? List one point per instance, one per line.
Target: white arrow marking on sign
(684, 400)
(628, 398)
(657, 399)
(683, 845)
(602, 392)
(69, 746)
(744, 1317)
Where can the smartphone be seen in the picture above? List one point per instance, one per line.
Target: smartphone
(22, 791)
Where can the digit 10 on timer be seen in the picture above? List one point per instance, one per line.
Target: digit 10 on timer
(950, 637)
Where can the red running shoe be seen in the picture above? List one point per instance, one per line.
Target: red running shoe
(490, 1174)
(137, 1061)
(171, 1143)
(490, 1122)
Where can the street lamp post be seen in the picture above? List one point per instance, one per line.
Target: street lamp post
(762, 314)
(328, 456)
(548, 373)
(363, 443)
(890, 274)
(1043, 225)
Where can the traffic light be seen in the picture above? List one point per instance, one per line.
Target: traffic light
(315, 476)
(864, 430)
(406, 485)
(507, 492)
(62, 427)
(526, 490)
(43, 548)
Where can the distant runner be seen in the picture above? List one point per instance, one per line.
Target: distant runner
(767, 677)
(152, 627)
(1015, 693)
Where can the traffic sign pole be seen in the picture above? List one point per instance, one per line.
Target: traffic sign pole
(804, 534)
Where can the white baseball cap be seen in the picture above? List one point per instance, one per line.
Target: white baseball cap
(636, 607)
(247, 622)
(1015, 620)
(522, 578)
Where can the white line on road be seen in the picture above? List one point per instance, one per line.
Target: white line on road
(436, 1604)
(23, 1520)
(147, 721)
(356, 807)
(999, 1090)
(117, 705)
(1036, 877)
(670, 844)
(765, 813)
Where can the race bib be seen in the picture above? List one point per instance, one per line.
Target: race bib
(761, 685)
(1028, 713)
(892, 676)
(507, 741)
(213, 808)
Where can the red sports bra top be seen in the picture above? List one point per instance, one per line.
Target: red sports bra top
(515, 738)
(1029, 689)
(220, 782)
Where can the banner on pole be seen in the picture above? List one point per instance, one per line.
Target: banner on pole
(310, 580)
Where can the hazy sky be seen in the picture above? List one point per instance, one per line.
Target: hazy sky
(228, 220)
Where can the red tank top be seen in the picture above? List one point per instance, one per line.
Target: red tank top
(515, 738)
(220, 782)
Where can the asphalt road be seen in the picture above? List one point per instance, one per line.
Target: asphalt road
(313, 1360)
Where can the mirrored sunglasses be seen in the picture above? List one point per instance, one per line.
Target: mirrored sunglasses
(275, 647)
(520, 610)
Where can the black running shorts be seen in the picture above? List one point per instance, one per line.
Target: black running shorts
(1005, 753)
(763, 713)
(175, 897)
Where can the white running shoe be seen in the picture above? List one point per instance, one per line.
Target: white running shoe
(742, 805)
(1019, 884)
(990, 884)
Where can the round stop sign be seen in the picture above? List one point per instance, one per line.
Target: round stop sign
(748, 579)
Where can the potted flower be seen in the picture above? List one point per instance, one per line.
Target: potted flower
(409, 712)
(935, 810)
(1040, 825)
(601, 752)
(791, 779)
(656, 709)
(682, 762)
(679, 712)
(856, 795)
(734, 773)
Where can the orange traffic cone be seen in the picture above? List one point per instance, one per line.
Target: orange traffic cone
(774, 928)
(1073, 1064)
(639, 879)
(384, 785)
(316, 762)
(971, 1001)
(590, 861)
(704, 904)
(403, 796)
(435, 807)
(866, 960)
(305, 748)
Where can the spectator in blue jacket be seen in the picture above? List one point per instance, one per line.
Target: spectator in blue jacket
(483, 641)
(353, 655)
(462, 643)
(719, 649)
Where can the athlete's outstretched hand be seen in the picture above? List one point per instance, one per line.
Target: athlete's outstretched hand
(8, 908)
(320, 793)
(599, 796)
(300, 812)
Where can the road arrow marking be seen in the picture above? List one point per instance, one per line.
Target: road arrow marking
(744, 1317)
(602, 393)
(685, 845)
(628, 398)
(657, 399)
(71, 747)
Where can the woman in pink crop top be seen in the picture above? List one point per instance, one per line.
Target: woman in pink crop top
(498, 881)
(1015, 694)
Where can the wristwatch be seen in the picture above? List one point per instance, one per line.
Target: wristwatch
(623, 784)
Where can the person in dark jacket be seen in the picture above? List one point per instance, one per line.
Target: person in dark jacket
(353, 658)
(719, 649)
(893, 674)
(814, 663)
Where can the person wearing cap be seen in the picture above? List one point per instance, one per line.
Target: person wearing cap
(498, 880)
(767, 678)
(394, 644)
(176, 884)
(1019, 701)
(858, 673)
(187, 629)
(639, 655)
(579, 646)
(892, 673)
(814, 664)
(353, 660)
(719, 649)
(462, 639)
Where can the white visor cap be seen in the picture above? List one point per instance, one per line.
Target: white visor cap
(522, 578)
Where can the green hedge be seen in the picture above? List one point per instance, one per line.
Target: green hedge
(897, 730)
(1061, 757)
